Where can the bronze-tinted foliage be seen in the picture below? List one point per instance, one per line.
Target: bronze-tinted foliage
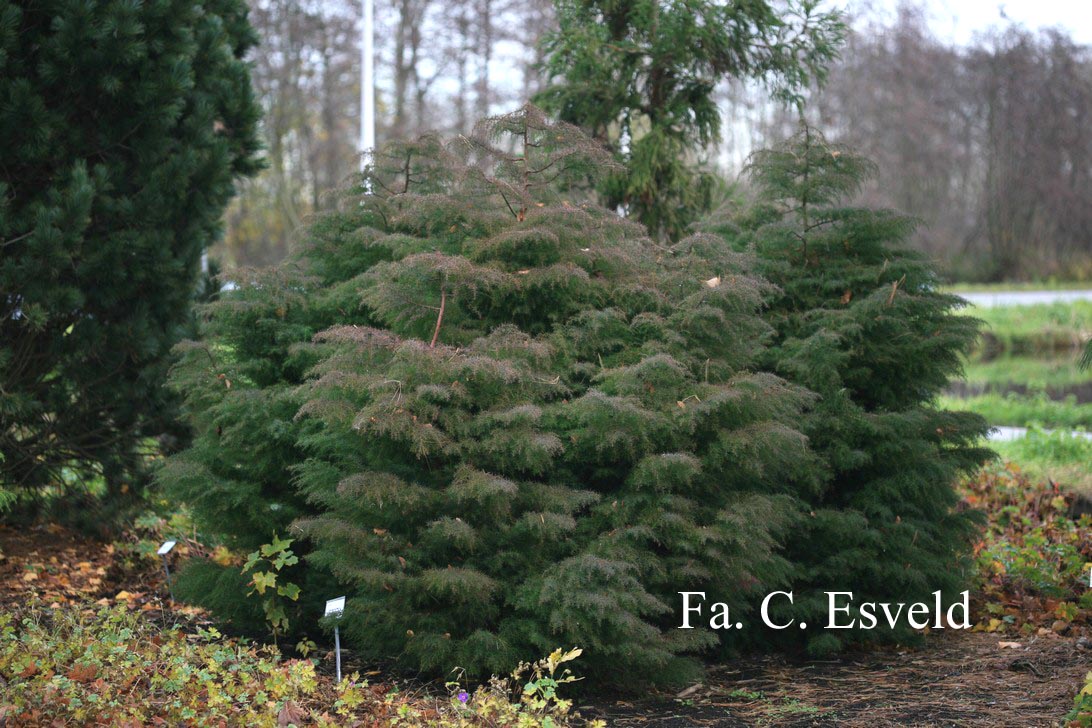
(516, 421)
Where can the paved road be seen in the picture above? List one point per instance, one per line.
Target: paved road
(1000, 433)
(1026, 298)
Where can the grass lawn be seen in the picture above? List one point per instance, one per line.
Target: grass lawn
(1060, 456)
(1025, 374)
(1039, 330)
(1054, 372)
(1016, 410)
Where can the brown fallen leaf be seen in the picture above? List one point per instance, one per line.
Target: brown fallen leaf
(291, 714)
(82, 673)
(1009, 645)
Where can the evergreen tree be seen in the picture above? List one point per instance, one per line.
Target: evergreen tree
(860, 322)
(526, 424)
(124, 126)
(641, 75)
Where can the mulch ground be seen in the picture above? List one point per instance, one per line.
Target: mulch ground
(958, 679)
(56, 566)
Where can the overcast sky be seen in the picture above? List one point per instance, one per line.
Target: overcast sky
(959, 20)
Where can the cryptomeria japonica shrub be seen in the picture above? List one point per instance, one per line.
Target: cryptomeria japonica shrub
(859, 320)
(520, 423)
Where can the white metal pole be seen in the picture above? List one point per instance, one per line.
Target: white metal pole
(367, 83)
(167, 571)
(337, 652)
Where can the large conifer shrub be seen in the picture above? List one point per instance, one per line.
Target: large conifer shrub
(123, 126)
(522, 423)
(859, 321)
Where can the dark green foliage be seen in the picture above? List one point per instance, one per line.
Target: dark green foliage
(546, 428)
(860, 322)
(123, 127)
(205, 582)
(641, 75)
(523, 423)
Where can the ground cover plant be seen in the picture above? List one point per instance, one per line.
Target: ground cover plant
(1034, 557)
(109, 666)
(858, 319)
(1081, 714)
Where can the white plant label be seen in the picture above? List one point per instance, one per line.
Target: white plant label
(335, 607)
(166, 548)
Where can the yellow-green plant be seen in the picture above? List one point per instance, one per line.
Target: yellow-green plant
(110, 666)
(1081, 715)
(528, 698)
(265, 566)
(69, 666)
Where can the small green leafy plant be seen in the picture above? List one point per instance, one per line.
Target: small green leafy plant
(110, 667)
(1081, 715)
(1033, 558)
(529, 698)
(265, 566)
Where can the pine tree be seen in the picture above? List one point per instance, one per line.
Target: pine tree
(523, 423)
(124, 126)
(641, 76)
(859, 320)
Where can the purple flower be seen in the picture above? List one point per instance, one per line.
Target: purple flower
(462, 696)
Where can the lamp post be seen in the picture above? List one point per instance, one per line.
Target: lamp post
(367, 83)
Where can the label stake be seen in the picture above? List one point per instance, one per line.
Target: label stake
(335, 608)
(163, 551)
